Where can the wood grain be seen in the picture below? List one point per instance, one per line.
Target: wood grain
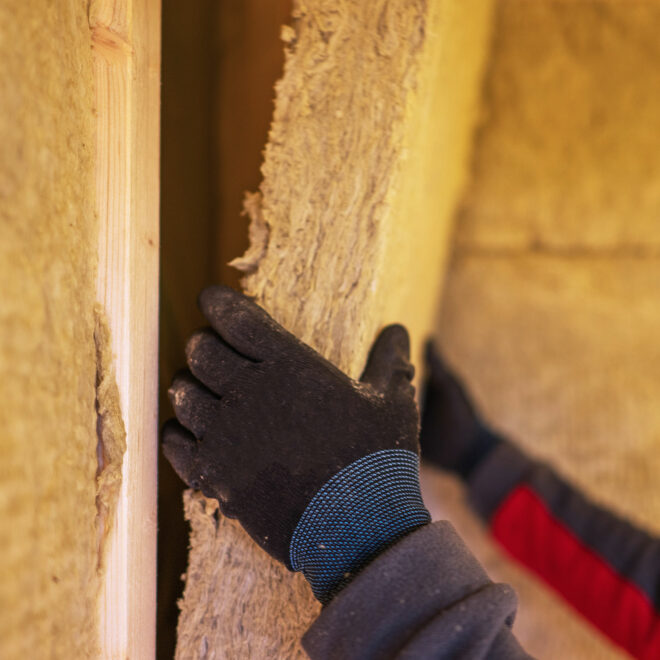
(126, 43)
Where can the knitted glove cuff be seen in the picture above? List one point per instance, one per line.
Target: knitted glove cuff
(363, 509)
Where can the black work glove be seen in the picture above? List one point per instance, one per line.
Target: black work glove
(453, 435)
(319, 469)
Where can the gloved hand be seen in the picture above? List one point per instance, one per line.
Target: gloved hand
(321, 470)
(453, 435)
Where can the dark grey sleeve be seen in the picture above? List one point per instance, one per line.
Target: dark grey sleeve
(425, 597)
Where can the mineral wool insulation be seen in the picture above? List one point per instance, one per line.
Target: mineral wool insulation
(48, 355)
(366, 157)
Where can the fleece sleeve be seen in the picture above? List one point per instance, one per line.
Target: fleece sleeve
(424, 597)
(602, 565)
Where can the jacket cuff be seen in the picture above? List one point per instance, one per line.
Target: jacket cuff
(402, 591)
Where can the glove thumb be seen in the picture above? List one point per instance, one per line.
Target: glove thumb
(388, 369)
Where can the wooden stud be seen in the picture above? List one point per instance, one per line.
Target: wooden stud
(126, 43)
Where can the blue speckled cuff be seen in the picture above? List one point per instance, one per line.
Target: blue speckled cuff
(363, 509)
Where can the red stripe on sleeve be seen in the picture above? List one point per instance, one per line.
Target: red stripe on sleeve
(527, 529)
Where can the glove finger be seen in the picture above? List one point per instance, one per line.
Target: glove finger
(180, 449)
(195, 406)
(244, 325)
(388, 369)
(212, 361)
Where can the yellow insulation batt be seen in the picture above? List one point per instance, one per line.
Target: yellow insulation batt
(568, 154)
(365, 161)
(48, 440)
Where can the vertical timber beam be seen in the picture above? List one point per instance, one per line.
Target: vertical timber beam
(126, 44)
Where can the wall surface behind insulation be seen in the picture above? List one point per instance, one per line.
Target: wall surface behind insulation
(551, 309)
(365, 160)
(249, 59)
(185, 253)
(47, 354)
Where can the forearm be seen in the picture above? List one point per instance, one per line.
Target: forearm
(602, 565)
(425, 597)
